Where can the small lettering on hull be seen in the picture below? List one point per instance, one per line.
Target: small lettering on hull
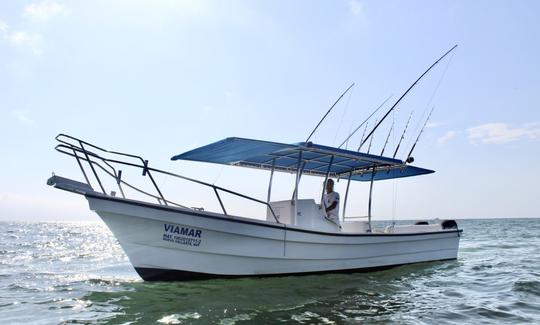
(182, 235)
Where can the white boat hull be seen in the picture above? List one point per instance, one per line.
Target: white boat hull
(167, 243)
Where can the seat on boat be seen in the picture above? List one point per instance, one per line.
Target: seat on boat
(355, 226)
(307, 214)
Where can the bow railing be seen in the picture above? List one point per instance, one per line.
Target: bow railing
(86, 153)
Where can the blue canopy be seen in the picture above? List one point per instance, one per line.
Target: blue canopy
(312, 159)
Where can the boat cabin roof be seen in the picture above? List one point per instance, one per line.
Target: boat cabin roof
(312, 159)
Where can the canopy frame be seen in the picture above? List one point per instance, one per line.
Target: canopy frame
(304, 158)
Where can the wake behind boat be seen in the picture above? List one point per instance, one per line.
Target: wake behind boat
(166, 240)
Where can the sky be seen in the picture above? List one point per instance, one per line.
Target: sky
(158, 78)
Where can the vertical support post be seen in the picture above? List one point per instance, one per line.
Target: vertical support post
(155, 185)
(220, 203)
(82, 169)
(326, 179)
(92, 167)
(346, 195)
(145, 172)
(119, 182)
(145, 168)
(302, 164)
(270, 181)
(298, 174)
(370, 196)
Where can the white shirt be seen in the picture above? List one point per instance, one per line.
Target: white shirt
(329, 199)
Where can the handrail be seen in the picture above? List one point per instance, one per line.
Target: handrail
(68, 148)
(57, 138)
(121, 181)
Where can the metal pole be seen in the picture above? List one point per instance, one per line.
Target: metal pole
(295, 194)
(92, 167)
(270, 182)
(119, 182)
(298, 175)
(82, 169)
(326, 178)
(157, 188)
(370, 195)
(220, 202)
(346, 195)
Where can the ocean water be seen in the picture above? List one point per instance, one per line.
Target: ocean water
(76, 273)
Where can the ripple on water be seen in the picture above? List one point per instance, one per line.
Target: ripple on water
(78, 274)
(527, 286)
(482, 267)
(178, 318)
(499, 315)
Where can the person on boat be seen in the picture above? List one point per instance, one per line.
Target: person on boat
(331, 202)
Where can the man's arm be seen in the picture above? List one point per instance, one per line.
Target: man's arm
(331, 207)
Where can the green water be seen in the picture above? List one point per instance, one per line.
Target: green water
(58, 273)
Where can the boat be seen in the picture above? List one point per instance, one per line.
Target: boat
(167, 241)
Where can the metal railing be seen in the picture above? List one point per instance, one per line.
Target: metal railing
(78, 149)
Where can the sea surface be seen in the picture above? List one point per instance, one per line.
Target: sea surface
(76, 273)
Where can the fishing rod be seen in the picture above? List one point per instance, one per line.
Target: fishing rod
(362, 138)
(402, 136)
(407, 91)
(335, 103)
(409, 158)
(370, 141)
(387, 137)
(359, 126)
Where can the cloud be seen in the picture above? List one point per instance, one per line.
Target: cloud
(431, 125)
(208, 109)
(447, 136)
(43, 11)
(35, 11)
(499, 133)
(356, 7)
(21, 38)
(3, 28)
(22, 117)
